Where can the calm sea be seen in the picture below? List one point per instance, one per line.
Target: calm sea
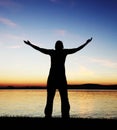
(84, 103)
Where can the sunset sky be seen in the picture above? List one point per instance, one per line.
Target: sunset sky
(43, 22)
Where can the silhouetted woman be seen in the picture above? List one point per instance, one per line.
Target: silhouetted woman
(57, 77)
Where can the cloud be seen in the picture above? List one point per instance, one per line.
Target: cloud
(7, 3)
(85, 71)
(7, 22)
(15, 46)
(10, 5)
(12, 37)
(104, 62)
(70, 3)
(54, 1)
(11, 41)
(61, 32)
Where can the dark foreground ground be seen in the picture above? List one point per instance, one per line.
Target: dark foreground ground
(56, 123)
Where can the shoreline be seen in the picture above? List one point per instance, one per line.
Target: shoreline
(57, 123)
(70, 86)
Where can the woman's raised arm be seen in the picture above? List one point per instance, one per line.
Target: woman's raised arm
(43, 50)
(70, 51)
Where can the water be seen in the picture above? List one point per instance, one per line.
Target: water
(84, 103)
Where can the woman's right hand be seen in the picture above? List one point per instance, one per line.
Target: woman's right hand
(27, 42)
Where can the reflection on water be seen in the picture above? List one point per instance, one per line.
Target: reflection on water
(94, 104)
(84, 103)
(22, 102)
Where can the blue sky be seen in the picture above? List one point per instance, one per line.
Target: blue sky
(43, 22)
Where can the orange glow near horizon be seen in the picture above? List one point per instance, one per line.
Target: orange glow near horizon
(37, 82)
(41, 80)
(22, 82)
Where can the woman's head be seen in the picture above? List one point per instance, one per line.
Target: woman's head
(59, 45)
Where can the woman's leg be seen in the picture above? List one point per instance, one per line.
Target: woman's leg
(65, 106)
(49, 103)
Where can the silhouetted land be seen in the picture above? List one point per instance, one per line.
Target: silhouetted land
(82, 86)
(57, 123)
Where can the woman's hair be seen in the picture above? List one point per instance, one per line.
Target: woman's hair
(59, 45)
